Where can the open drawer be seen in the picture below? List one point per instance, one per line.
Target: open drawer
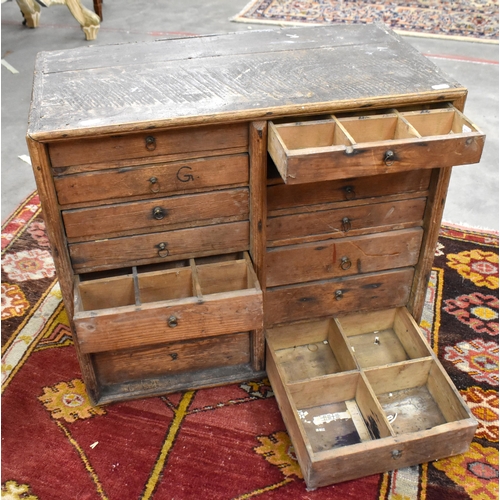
(355, 146)
(364, 394)
(146, 307)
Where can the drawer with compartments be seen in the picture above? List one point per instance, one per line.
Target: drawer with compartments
(217, 198)
(389, 141)
(363, 394)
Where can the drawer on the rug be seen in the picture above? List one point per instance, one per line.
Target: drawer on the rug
(347, 220)
(342, 257)
(317, 299)
(192, 142)
(160, 214)
(347, 422)
(159, 247)
(285, 197)
(340, 148)
(105, 186)
(148, 307)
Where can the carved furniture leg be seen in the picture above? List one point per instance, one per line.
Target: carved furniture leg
(31, 12)
(89, 21)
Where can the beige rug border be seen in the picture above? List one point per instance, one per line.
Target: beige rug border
(239, 19)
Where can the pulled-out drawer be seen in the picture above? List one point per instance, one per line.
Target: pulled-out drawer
(106, 186)
(344, 257)
(192, 142)
(340, 148)
(346, 220)
(316, 299)
(169, 305)
(364, 394)
(159, 247)
(150, 216)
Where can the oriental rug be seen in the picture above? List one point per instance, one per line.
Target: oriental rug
(226, 442)
(460, 19)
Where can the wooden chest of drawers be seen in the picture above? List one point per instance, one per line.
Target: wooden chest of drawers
(204, 194)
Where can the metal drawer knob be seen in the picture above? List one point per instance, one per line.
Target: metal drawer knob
(339, 294)
(158, 213)
(162, 250)
(150, 143)
(172, 322)
(155, 185)
(346, 224)
(350, 194)
(389, 157)
(345, 263)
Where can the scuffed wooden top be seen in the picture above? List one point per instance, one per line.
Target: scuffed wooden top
(235, 76)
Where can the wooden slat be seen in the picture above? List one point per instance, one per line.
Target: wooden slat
(258, 215)
(432, 222)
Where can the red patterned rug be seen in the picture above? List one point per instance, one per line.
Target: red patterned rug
(459, 19)
(222, 443)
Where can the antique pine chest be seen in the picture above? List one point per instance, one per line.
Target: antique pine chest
(222, 206)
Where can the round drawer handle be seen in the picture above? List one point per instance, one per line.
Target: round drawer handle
(389, 157)
(339, 294)
(162, 250)
(345, 263)
(172, 323)
(150, 143)
(350, 194)
(155, 185)
(346, 224)
(159, 213)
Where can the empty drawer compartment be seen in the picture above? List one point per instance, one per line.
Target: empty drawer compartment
(383, 337)
(339, 148)
(180, 303)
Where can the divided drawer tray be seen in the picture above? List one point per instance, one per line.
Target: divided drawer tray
(392, 141)
(364, 394)
(145, 307)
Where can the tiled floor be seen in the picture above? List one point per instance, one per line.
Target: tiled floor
(473, 196)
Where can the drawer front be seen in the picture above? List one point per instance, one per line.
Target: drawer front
(282, 196)
(152, 180)
(194, 140)
(344, 257)
(156, 215)
(357, 146)
(345, 221)
(338, 296)
(160, 247)
(131, 327)
(175, 359)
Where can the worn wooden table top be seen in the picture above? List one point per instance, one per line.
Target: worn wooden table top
(222, 78)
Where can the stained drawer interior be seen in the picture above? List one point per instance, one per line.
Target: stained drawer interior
(359, 378)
